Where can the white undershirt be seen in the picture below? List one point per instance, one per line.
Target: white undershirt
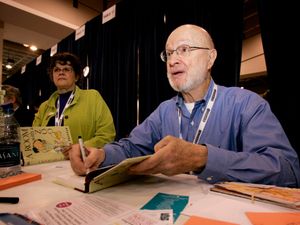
(190, 106)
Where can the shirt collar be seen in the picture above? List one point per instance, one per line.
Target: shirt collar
(180, 101)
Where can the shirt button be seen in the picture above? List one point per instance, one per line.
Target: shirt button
(192, 123)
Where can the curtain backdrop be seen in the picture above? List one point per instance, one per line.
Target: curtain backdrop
(278, 20)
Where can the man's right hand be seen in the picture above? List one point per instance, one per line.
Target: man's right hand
(93, 160)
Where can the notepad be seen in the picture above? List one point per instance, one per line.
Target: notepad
(19, 179)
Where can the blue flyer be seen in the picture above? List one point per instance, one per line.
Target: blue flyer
(167, 201)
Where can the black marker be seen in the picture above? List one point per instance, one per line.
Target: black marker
(12, 200)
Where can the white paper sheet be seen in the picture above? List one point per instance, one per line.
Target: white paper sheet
(88, 210)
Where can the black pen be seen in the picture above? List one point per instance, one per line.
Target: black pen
(12, 200)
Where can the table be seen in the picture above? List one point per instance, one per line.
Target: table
(136, 193)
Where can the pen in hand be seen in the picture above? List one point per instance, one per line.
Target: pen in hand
(82, 150)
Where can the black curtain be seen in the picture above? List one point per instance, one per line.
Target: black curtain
(114, 61)
(153, 83)
(278, 21)
(40, 87)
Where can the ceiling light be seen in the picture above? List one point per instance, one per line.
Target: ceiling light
(33, 48)
(26, 45)
(8, 66)
(10, 63)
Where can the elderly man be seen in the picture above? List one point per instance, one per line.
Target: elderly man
(218, 133)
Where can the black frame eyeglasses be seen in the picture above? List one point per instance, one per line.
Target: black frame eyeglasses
(182, 50)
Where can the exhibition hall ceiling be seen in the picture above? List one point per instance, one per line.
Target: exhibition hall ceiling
(44, 23)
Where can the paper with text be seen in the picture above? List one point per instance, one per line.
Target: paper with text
(85, 210)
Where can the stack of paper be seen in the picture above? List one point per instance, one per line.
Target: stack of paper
(288, 197)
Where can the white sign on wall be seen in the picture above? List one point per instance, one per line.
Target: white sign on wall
(80, 32)
(23, 69)
(53, 50)
(109, 14)
(38, 60)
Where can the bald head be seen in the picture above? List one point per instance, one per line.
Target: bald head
(192, 34)
(189, 69)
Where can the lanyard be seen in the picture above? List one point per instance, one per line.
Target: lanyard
(204, 118)
(59, 119)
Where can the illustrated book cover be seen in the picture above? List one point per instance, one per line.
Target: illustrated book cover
(19, 179)
(43, 144)
(283, 196)
(101, 178)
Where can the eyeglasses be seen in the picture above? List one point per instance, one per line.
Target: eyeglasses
(182, 50)
(64, 70)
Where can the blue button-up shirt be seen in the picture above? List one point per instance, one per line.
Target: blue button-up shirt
(245, 140)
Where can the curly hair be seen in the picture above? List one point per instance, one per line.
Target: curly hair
(66, 58)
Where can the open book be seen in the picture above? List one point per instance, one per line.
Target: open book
(287, 197)
(43, 144)
(101, 178)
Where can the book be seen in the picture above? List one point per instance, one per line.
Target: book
(101, 178)
(283, 196)
(43, 144)
(19, 179)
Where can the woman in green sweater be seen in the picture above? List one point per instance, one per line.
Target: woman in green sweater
(84, 111)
